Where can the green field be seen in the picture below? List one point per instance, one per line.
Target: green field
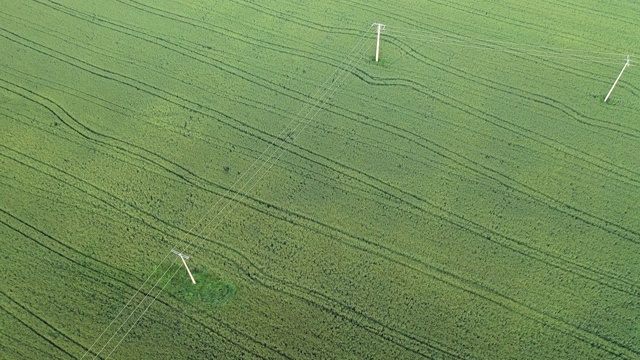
(469, 196)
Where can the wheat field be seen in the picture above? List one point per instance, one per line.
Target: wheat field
(469, 196)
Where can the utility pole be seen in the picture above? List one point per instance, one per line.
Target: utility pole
(183, 257)
(626, 65)
(380, 28)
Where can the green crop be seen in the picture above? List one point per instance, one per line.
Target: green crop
(469, 196)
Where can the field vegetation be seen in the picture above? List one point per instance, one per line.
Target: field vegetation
(470, 196)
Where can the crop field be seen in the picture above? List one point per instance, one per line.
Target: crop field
(468, 196)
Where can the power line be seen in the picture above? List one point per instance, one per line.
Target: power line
(317, 107)
(278, 145)
(340, 75)
(425, 33)
(508, 46)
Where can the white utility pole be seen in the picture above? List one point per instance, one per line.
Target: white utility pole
(380, 28)
(183, 257)
(626, 65)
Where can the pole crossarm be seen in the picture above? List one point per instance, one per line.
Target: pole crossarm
(180, 254)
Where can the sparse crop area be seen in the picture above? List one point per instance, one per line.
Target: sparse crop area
(469, 196)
